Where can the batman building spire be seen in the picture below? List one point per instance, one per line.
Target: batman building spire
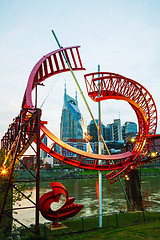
(70, 126)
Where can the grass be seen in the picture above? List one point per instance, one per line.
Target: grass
(136, 225)
(143, 231)
(150, 170)
(91, 172)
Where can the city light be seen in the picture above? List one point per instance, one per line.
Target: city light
(153, 154)
(4, 171)
(133, 139)
(126, 177)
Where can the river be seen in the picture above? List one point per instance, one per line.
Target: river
(86, 192)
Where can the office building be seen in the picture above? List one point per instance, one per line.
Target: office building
(43, 154)
(70, 126)
(129, 130)
(93, 132)
(116, 132)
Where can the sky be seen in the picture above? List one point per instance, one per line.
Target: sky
(122, 36)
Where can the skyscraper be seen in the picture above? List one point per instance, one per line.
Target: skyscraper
(130, 127)
(43, 154)
(70, 126)
(92, 130)
(129, 130)
(116, 131)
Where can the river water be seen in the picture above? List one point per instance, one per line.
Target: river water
(86, 192)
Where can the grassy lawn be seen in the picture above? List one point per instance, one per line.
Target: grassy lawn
(91, 172)
(150, 170)
(136, 225)
(142, 231)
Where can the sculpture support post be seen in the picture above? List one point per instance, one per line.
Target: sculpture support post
(100, 162)
(37, 171)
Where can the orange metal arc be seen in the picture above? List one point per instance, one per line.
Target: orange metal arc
(84, 159)
(80, 152)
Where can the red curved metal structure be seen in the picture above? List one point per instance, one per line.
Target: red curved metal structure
(106, 85)
(51, 64)
(69, 209)
(46, 67)
(112, 86)
(100, 86)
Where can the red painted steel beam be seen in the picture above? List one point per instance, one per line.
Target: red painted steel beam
(37, 75)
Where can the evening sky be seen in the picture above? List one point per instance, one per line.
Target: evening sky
(121, 36)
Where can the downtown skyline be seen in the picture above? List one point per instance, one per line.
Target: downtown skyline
(123, 38)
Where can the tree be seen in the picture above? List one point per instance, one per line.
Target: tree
(13, 196)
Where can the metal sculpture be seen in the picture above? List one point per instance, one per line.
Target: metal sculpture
(69, 209)
(112, 86)
(100, 86)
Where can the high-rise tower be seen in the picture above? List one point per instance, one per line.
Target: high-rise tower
(92, 130)
(43, 154)
(70, 126)
(116, 131)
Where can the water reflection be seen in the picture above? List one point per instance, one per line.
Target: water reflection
(86, 192)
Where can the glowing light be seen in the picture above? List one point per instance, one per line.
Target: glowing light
(4, 171)
(153, 154)
(133, 140)
(126, 177)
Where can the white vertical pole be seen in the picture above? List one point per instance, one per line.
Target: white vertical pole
(100, 162)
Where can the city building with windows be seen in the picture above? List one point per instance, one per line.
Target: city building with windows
(130, 127)
(93, 132)
(70, 126)
(129, 130)
(43, 154)
(108, 136)
(116, 132)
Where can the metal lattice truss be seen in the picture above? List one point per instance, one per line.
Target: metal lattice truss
(105, 85)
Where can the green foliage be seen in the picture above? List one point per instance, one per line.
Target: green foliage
(150, 170)
(13, 195)
(17, 196)
(2, 234)
(32, 237)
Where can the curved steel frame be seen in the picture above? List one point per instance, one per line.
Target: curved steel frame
(105, 85)
(112, 86)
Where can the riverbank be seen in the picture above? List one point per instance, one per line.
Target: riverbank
(59, 174)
